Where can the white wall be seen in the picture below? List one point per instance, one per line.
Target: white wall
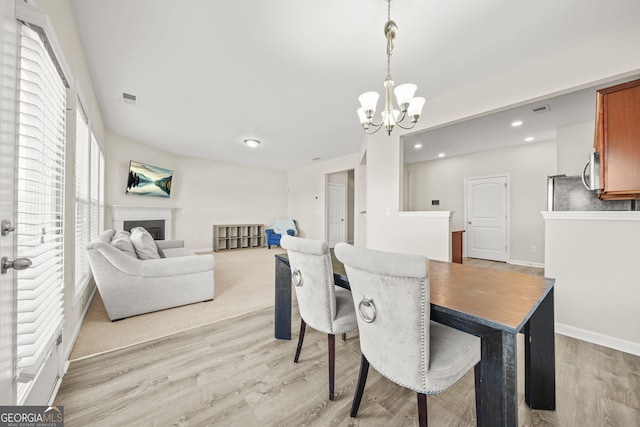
(527, 165)
(203, 192)
(574, 145)
(594, 262)
(307, 188)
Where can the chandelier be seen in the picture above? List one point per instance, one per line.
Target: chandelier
(409, 106)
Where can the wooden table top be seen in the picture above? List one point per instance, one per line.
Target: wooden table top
(501, 299)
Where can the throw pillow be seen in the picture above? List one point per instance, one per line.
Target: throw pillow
(144, 244)
(122, 241)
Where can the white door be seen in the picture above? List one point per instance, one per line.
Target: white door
(486, 216)
(8, 38)
(337, 212)
(32, 142)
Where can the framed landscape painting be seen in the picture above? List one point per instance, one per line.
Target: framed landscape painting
(148, 180)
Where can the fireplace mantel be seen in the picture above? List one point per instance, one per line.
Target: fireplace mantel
(122, 213)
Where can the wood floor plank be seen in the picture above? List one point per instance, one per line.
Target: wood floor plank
(234, 373)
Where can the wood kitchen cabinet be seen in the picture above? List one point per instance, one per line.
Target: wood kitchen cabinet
(617, 140)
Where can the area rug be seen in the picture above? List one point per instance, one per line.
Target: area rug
(244, 282)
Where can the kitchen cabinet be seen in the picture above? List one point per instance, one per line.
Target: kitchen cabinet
(617, 140)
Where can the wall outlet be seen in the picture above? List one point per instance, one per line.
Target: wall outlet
(533, 249)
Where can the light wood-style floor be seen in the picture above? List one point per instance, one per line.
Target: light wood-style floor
(234, 373)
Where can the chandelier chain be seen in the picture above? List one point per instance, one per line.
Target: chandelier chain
(389, 42)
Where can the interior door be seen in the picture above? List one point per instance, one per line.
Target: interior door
(8, 91)
(486, 216)
(337, 212)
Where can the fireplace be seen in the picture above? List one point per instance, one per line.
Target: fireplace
(158, 221)
(155, 227)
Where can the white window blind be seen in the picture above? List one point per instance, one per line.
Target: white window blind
(82, 198)
(89, 175)
(94, 194)
(40, 203)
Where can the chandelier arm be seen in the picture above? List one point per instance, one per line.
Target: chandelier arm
(376, 129)
(406, 127)
(371, 123)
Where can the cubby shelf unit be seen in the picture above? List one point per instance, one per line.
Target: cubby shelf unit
(238, 236)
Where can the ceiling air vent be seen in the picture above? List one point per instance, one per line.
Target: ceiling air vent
(542, 109)
(128, 98)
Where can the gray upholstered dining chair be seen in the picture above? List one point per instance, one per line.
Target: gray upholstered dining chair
(391, 296)
(322, 306)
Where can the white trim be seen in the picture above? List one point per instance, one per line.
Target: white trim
(593, 215)
(427, 214)
(74, 336)
(599, 339)
(34, 15)
(527, 263)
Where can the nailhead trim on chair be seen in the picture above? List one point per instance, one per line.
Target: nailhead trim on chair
(328, 283)
(422, 337)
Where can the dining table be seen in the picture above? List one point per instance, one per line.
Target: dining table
(492, 304)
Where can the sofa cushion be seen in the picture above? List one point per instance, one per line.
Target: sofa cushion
(122, 241)
(144, 244)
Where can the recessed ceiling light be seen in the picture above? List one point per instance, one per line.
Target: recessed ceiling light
(418, 145)
(516, 123)
(441, 155)
(252, 143)
(529, 139)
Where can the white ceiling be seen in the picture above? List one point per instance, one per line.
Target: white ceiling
(494, 130)
(209, 74)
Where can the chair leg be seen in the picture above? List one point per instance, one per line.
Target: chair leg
(422, 410)
(362, 380)
(478, 383)
(344, 336)
(303, 327)
(332, 362)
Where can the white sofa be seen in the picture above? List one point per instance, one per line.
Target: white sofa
(130, 286)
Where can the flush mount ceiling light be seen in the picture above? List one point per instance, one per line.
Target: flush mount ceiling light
(409, 106)
(252, 143)
(417, 145)
(516, 123)
(529, 139)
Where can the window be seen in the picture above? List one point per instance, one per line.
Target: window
(89, 178)
(40, 207)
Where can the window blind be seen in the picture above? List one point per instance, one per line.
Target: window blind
(82, 198)
(40, 206)
(89, 176)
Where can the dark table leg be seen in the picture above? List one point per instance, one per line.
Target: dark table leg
(539, 357)
(282, 315)
(498, 377)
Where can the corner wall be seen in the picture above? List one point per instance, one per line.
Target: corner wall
(204, 192)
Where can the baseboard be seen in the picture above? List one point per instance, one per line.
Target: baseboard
(599, 339)
(526, 263)
(76, 331)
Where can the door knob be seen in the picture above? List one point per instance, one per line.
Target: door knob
(16, 264)
(6, 228)
(469, 222)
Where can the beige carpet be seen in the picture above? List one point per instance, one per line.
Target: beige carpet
(244, 282)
